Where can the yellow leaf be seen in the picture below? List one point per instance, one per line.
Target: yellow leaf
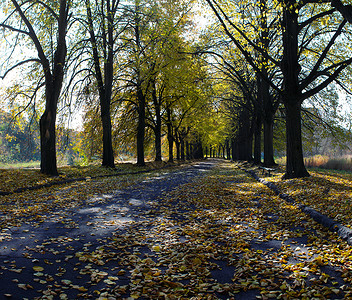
(38, 268)
(156, 248)
(197, 261)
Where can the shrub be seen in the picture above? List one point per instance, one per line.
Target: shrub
(316, 161)
(341, 163)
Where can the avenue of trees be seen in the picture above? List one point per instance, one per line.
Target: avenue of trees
(149, 80)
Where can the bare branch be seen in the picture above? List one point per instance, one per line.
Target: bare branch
(19, 64)
(331, 78)
(312, 19)
(14, 29)
(311, 75)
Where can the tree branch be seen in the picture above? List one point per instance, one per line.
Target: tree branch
(19, 64)
(330, 79)
(14, 29)
(311, 75)
(312, 19)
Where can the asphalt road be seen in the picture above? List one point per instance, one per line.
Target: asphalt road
(80, 253)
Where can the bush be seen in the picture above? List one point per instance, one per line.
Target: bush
(316, 161)
(321, 161)
(341, 163)
(281, 160)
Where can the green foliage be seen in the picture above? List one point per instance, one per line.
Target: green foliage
(18, 140)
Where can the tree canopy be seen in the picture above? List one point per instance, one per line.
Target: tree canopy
(151, 83)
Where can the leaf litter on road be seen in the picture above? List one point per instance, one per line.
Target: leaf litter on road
(222, 236)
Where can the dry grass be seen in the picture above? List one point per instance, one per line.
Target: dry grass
(343, 163)
(18, 178)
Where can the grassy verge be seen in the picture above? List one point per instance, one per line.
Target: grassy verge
(327, 191)
(17, 178)
(343, 163)
(37, 205)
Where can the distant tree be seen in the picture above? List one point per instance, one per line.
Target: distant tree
(18, 140)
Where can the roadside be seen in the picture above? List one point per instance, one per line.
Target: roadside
(331, 224)
(327, 191)
(207, 231)
(29, 195)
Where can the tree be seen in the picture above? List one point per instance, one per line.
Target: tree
(103, 54)
(138, 77)
(52, 61)
(298, 83)
(152, 39)
(256, 21)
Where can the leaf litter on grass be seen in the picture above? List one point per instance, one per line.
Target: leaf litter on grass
(327, 191)
(222, 223)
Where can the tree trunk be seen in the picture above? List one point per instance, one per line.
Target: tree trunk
(170, 137)
(157, 127)
(268, 123)
(188, 156)
(228, 150)
(268, 141)
(258, 138)
(53, 85)
(244, 136)
(108, 153)
(233, 149)
(48, 163)
(295, 163)
(140, 95)
(182, 149)
(292, 94)
(178, 149)
(157, 132)
(191, 152)
(264, 91)
(104, 84)
(141, 127)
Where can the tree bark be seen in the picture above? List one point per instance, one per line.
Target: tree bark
(157, 127)
(258, 138)
(295, 163)
(228, 150)
(292, 94)
(53, 85)
(157, 133)
(268, 121)
(178, 149)
(264, 90)
(48, 163)
(182, 149)
(234, 147)
(104, 84)
(244, 136)
(188, 155)
(140, 127)
(108, 153)
(170, 137)
(268, 141)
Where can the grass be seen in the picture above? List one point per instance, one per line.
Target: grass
(20, 165)
(37, 204)
(327, 191)
(14, 178)
(343, 163)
